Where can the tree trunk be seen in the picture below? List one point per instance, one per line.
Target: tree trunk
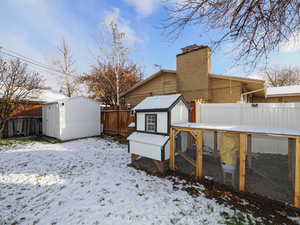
(2, 130)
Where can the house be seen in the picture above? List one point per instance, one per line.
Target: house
(26, 120)
(71, 118)
(32, 106)
(154, 117)
(281, 94)
(193, 78)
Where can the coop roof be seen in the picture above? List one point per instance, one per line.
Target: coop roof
(279, 131)
(283, 91)
(152, 139)
(160, 102)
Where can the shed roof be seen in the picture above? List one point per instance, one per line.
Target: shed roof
(292, 90)
(68, 99)
(152, 139)
(157, 102)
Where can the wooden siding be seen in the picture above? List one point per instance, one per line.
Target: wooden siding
(224, 91)
(163, 84)
(277, 99)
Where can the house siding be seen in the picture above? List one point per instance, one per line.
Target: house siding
(224, 91)
(164, 84)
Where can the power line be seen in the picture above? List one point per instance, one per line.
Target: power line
(14, 54)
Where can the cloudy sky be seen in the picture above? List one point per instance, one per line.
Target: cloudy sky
(34, 28)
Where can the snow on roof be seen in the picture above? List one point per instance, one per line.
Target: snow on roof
(157, 102)
(42, 96)
(241, 128)
(282, 91)
(152, 139)
(46, 96)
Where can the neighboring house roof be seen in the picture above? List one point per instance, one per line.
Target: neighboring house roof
(161, 102)
(159, 73)
(42, 96)
(152, 139)
(46, 96)
(292, 90)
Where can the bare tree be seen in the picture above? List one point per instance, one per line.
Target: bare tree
(284, 76)
(16, 86)
(114, 72)
(65, 64)
(256, 26)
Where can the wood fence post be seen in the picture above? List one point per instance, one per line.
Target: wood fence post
(118, 120)
(297, 175)
(215, 150)
(172, 150)
(199, 156)
(243, 151)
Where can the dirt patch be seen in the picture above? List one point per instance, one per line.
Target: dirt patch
(270, 211)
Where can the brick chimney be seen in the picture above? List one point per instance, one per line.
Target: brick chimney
(193, 66)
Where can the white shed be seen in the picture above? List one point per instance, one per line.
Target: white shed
(71, 118)
(154, 116)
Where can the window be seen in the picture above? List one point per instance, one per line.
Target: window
(150, 122)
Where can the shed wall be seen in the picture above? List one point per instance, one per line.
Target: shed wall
(145, 150)
(179, 113)
(80, 117)
(162, 121)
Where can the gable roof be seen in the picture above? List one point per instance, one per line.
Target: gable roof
(292, 90)
(159, 102)
(159, 73)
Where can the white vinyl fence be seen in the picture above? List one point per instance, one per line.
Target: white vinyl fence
(284, 115)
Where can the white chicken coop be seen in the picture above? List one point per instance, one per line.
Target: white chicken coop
(71, 118)
(154, 116)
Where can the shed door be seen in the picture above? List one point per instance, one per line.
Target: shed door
(52, 122)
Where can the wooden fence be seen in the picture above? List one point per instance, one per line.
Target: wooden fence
(23, 127)
(115, 120)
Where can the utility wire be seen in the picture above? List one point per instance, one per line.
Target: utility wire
(14, 54)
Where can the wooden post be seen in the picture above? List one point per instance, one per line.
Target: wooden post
(243, 151)
(172, 150)
(297, 175)
(291, 157)
(249, 151)
(159, 165)
(215, 151)
(133, 157)
(199, 156)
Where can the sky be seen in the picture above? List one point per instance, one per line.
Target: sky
(34, 28)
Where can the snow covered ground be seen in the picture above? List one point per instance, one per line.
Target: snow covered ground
(88, 182)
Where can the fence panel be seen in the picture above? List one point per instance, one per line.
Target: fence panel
(115, 121)
(261, 114)
(23, 127)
